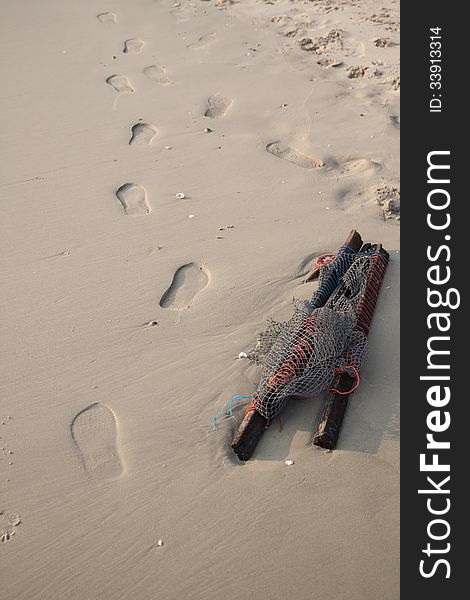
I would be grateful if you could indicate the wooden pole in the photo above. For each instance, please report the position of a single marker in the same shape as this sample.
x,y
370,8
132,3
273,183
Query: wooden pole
x,y
253,424
329,425
332,417
248,434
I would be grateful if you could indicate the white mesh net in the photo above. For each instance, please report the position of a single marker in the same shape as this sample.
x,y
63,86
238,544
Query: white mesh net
x,y
301,356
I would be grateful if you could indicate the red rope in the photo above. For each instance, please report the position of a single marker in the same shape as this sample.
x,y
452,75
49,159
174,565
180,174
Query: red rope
x,y
252,407
297,359
356,385
366,305
323,260
249,409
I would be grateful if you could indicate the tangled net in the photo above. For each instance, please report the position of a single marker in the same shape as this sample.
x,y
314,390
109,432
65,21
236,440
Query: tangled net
x,y
326,335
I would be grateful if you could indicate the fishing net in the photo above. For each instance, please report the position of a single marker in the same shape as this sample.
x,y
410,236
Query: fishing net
x,y
326,335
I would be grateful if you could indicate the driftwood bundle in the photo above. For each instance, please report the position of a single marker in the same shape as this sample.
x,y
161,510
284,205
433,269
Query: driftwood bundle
x,y
323,346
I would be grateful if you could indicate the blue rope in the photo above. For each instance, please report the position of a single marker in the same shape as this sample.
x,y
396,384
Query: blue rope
x,y
332,276
221,410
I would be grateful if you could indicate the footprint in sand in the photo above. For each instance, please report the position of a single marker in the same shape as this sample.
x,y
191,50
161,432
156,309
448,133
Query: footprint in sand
x,y
294,156
142,133
121,84
187,282
8,525
352,166
157,73
182,14
7,533
107,18
94,430
218,106
203,41
133,46
133,197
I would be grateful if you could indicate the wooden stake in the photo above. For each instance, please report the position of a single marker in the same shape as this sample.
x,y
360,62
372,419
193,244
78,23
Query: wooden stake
x,y
329,426
332,417
248,434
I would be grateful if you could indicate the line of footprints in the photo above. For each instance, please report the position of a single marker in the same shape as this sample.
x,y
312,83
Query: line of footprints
x,y
94,430
133,196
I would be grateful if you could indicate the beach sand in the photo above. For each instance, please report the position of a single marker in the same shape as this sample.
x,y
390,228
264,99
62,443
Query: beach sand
x,y
169,172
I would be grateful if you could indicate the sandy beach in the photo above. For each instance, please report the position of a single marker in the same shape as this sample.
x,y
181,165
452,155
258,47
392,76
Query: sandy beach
x,y
169,172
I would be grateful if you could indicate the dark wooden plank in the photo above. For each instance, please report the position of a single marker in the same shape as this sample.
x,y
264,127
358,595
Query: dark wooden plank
x,y
248,434
329,425
354,240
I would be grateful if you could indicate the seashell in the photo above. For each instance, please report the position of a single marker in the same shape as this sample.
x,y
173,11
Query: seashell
x,y
151,324
243,355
